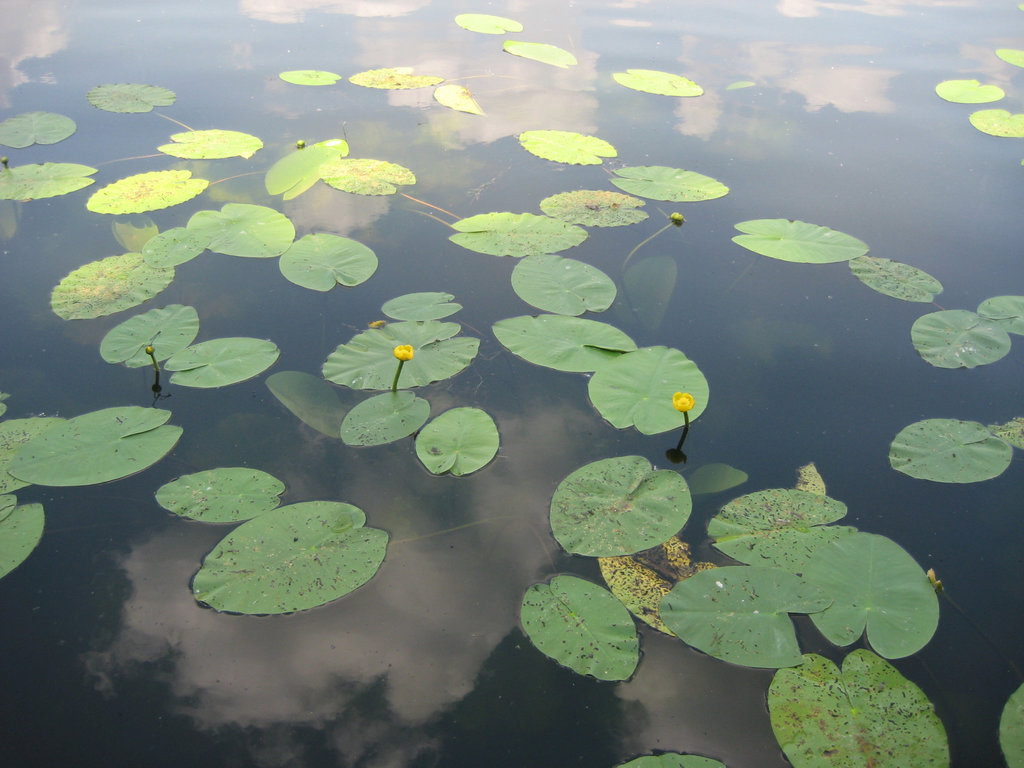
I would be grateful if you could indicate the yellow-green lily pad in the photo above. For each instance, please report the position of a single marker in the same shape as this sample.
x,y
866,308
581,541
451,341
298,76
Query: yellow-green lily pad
x,y
394,78
107,286
212,144
146,192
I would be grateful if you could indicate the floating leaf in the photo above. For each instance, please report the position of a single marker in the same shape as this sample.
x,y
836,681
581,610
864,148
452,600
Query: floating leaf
x,y
1011,730
291,559
956,338
457,97
893,278
618,506
107,286
968,92
174,246
567,147
425,305
542,52
715,478
516,234
169,330
867,715
384,418
96,447
3,405
321,261
635,389
310,398
798,241
672,760
741,613
810,480
220,362
1011,56
1012,431
740,84
362,176
294,173
998,122
594,208
659,182
397,78
222,495
130,97
33,182
949,451
581,626
564,286
877,588
1005,311
460,441
563,343
14,433
487,24
241,229
211,144
30,128
146,192
367,361
661,83
21,528
309,77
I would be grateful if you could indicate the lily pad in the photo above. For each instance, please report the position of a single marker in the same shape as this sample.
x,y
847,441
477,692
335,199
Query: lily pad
x,y
672,760
33,182
563,343
1011,730
96,447
618,506
1013,56
893,278
741,613
564,286
309,77
424,305
487,24
594,208
146,192
949,451
212,144
715,478
30,128
542,52
968,92
291,559
457,97
658,182
220,362
130,97
321,261
798,241
516,234
242,229
460,441
222,495
296,172
394,78
1005,311
174,246
384,418
1012,431
567,147
310,398
866,716
107,286
956,338
21,528
581,626
661,83
809,479
998,122
168,329
635,389
363,176
14,433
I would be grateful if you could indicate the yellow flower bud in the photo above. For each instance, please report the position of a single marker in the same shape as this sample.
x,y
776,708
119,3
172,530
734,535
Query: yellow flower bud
x,y
149,350
404,352
683,401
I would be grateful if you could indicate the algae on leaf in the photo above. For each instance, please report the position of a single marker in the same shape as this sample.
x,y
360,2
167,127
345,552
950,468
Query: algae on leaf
x,y
896,279
394,78
364,176
107,286
594,208
146,192
517,235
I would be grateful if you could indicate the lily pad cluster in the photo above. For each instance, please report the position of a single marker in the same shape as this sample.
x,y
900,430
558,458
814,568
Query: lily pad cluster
x,y
958,338
995,122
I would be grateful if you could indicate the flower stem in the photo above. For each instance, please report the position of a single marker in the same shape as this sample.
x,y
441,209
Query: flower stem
x,y
394,384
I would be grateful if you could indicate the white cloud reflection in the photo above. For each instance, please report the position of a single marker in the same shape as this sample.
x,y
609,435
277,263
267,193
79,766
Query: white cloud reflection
x,y
295,11
31,30
802,9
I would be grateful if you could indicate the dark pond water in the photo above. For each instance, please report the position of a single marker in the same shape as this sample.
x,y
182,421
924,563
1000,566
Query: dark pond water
x,y
108,659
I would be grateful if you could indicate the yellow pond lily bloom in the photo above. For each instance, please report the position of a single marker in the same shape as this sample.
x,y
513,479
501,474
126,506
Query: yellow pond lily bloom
x,y
683,401
404,352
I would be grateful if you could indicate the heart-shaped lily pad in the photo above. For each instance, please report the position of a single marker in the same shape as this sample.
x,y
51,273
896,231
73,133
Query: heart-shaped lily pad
x,y
220,362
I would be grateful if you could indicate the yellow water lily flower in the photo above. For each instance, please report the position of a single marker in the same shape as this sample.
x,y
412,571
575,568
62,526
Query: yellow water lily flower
x,y
404,352
683,401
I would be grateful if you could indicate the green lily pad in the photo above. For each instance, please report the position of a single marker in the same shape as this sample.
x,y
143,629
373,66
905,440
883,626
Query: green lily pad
x,y
1011,730
998,122
715,478
173,247
394,78
781,528
362,176
14,433
516,234
309,77
168,329
949,451
968,92
1005,311
3,405
133,230
310,398
220,362
1012,431
222,495
564,286
542,52
368,361
321,261
1013,56
563,343
618,506
956,338
798,241
567,147
460,441
581,626
107,286
635,389
893,278
457,97
291,559
661,83
146,192
424,305
658,182
33,182
211,144
384,418
867,716
672,760
242,229
21,528
487,24
96,447
594,208
130,97
30,128
740,613
296,172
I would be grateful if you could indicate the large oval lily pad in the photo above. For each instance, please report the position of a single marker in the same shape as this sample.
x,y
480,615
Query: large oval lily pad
x,y
393,78
220,362
654,81
297,171
896,279
460,441
563,343
14,433
384,418
516,234
594,208
658,182
130,97
146,192
1005,311
107,286
457,97
222,495
949,451
21,528
422,305
968,92
364,176
564,286
211,144
309,77
174,246
30,128
956,338
32,182
168,329
242,229
798,241
542,52
321,261
567,147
